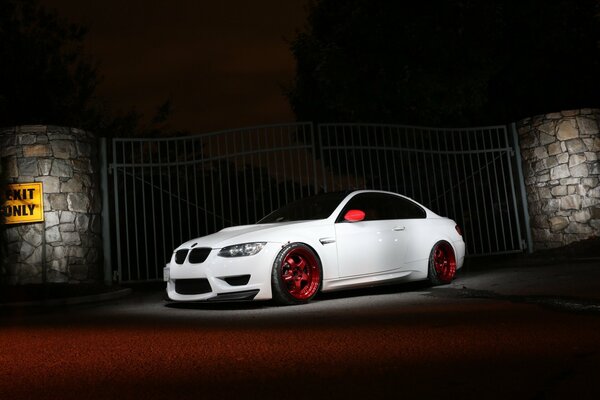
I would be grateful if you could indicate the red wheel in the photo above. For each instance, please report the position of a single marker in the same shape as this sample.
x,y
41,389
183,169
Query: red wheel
x,y
296,274
442,263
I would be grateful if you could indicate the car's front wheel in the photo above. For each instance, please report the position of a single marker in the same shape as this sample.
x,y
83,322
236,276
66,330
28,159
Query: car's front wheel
x,y
296,275
442,263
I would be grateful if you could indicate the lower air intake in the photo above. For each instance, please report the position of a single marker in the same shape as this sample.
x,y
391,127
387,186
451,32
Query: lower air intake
x,y
239,280
192,286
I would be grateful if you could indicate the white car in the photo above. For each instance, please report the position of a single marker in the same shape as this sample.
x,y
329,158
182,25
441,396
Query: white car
x,y
322,243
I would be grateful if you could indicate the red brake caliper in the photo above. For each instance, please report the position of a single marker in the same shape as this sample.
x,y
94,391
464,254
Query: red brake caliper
x,y
444,265
300,275
439,261
291,276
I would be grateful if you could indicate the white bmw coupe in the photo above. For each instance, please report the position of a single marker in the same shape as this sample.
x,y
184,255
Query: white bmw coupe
x,y
322,243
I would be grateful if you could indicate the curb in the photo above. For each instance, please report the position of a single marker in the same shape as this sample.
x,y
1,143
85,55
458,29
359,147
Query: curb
x,y
70,301
528,261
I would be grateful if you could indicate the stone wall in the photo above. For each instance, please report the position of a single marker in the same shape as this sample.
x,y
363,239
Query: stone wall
x,y
560,162
66,161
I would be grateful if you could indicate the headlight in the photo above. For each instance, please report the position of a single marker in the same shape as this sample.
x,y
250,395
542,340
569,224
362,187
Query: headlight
x,y
242,250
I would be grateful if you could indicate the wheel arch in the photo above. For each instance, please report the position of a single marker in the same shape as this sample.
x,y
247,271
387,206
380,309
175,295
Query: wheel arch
x,y
296,274
423,240
448,265
305,243
326,253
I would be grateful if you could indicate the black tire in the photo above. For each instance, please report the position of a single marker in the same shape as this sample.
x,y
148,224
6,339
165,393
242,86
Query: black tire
x,y
442,264
296,275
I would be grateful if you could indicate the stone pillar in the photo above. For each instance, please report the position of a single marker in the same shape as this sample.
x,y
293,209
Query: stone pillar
x,y
65,160
560,162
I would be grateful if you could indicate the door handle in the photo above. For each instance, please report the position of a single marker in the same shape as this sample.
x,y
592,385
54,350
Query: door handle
x,y
399,228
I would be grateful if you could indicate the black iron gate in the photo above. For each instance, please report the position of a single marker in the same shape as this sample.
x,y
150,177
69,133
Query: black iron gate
x,y
169,190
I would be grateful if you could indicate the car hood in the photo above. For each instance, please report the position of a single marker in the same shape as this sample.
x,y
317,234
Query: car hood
x,y
249,233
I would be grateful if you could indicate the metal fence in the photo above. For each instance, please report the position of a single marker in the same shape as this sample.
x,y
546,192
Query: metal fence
x,y
169,190
166,191
465,174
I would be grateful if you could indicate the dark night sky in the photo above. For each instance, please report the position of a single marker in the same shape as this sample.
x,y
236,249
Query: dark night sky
x,y
222,63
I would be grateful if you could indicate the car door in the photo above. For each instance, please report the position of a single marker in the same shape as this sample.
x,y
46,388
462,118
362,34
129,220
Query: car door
x,y
375,244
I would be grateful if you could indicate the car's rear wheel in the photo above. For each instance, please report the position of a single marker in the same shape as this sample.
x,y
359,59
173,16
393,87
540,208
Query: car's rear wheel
x,y
296,275
442,263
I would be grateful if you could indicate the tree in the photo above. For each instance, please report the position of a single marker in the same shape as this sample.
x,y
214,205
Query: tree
x,y
44,77
444,62
552,58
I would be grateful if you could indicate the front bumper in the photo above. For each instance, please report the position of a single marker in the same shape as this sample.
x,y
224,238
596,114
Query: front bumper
x,y
221,278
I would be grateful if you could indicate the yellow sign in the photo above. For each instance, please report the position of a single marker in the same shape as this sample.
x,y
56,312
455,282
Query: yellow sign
x,y
22,202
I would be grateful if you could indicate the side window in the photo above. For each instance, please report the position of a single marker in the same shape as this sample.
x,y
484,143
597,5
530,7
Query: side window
x,y
381,206
406,209
367,202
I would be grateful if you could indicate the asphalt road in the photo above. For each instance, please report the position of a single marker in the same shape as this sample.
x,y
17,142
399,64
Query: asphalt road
x,y
491,334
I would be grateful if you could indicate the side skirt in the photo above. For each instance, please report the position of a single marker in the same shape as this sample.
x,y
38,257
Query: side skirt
x,y
372,280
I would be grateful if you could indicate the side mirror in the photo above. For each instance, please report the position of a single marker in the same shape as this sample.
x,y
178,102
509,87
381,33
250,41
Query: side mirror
x,y
354,216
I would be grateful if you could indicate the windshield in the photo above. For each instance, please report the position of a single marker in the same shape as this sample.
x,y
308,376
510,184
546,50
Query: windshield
x,y
310,208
